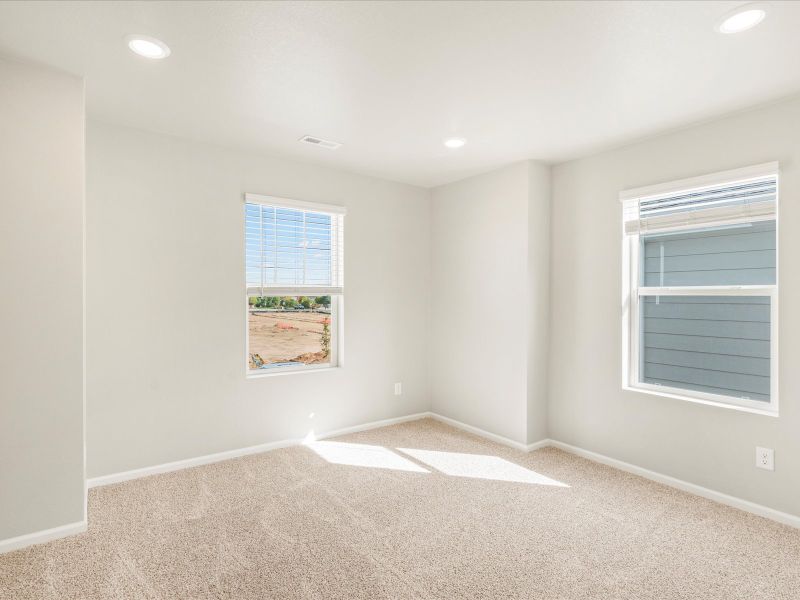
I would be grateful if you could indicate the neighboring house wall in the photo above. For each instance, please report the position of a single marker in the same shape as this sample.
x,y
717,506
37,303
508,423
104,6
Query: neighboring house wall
x,y
705,445
166,302
41,307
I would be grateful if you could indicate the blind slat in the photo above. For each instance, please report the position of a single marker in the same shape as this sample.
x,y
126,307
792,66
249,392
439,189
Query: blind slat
x,y
293,251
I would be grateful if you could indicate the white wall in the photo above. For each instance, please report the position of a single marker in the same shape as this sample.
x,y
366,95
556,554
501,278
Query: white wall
x,y
485,297
165,302
539,215
41,307
710,446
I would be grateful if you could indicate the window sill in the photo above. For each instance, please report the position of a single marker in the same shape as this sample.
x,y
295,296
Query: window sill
x,y
768,412
251,375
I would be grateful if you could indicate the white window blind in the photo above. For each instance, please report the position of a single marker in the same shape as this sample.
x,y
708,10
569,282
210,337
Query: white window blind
x,y
293,248
745,195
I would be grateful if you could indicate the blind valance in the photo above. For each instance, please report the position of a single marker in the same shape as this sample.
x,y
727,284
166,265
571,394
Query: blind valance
x,y
743,195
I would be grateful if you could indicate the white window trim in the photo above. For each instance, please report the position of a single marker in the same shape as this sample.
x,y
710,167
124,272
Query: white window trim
x,y
720,177
331,209
632,291
337,297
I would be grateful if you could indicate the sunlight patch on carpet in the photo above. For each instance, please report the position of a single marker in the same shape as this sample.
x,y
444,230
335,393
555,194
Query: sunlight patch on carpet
x,y
479,466
362,455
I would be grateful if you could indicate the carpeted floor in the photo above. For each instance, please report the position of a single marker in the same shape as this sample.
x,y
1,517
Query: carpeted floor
x,y
449,516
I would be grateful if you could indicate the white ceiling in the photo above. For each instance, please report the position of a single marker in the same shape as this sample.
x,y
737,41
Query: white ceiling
x,y
541,80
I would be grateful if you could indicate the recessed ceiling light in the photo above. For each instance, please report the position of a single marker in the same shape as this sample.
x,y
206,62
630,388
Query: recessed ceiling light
x,y
455,142
147,46
743,18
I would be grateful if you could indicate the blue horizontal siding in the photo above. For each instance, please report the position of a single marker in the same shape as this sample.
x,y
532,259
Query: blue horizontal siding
x,y
669,308
747,365
710,345
708,242
713,344
740,385
714,261
723,256
696,327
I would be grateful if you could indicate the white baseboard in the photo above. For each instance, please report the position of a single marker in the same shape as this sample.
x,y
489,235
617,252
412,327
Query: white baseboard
x,y
186,463
373,425
488,434
40,537
697,490
228,454
536,445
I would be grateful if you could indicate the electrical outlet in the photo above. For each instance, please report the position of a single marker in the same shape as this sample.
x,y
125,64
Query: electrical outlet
x,y
398,389
765,458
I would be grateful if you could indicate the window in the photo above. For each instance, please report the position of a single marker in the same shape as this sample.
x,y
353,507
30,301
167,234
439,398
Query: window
x,y
294,284
700,289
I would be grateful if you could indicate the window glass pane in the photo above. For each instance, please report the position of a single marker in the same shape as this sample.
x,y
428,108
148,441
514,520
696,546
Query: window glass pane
x,y
289,331
286,247
741,254
714,344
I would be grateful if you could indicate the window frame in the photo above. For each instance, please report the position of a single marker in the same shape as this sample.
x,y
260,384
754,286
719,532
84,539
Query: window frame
x,y
337,297
337,329
632,291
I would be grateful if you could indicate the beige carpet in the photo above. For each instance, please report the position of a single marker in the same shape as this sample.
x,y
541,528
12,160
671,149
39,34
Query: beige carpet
x,y
357,518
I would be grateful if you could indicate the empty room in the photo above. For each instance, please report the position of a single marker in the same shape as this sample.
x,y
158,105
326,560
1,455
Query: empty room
x,y
400,300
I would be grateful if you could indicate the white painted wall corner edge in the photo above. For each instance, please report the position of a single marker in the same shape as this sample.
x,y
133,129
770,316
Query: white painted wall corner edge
x,y
47,535
488,434
40,537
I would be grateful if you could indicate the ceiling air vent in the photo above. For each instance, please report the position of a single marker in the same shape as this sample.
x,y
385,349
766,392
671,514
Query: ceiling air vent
x,y
307,139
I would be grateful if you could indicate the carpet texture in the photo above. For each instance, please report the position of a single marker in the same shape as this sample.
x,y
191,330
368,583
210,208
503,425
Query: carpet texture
x,y
418,510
